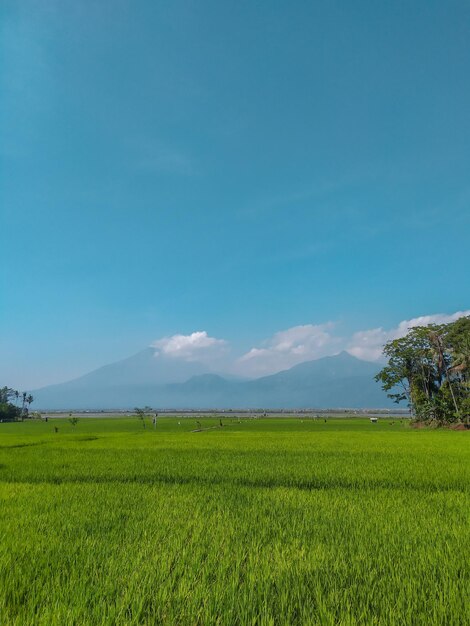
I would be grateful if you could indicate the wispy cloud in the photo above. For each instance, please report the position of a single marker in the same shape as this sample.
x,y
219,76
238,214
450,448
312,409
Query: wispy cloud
x,y
368,344
289,347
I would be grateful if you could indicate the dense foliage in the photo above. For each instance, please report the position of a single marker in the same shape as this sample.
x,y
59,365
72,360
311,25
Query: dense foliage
x,y
10,410
430,369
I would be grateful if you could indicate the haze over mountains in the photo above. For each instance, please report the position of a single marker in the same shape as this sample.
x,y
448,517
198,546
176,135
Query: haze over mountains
x,y
163,382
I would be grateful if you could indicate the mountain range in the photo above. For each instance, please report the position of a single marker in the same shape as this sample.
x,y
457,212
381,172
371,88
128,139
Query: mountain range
x,y
340,381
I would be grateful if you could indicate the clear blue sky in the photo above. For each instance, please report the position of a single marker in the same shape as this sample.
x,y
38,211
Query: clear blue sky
x,y
238,168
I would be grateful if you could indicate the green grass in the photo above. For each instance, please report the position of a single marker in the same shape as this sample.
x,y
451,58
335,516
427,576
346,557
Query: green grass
x,y
267,521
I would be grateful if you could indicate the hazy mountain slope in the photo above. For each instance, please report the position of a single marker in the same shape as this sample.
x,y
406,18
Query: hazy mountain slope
x,y
339,381
115,382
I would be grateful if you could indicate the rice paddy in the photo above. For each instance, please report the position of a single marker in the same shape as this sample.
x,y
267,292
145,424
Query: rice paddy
x,y
255,522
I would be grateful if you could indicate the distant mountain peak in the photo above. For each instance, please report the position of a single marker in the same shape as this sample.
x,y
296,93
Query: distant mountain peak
x,y
341,380
345,355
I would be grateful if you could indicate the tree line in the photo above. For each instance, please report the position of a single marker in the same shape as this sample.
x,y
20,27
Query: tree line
x,y
429,368
14,405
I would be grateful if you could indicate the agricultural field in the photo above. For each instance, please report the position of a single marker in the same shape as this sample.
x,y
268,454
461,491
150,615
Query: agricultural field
x,y
255,522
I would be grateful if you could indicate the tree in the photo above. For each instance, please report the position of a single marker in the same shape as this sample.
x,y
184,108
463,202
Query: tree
x,y
429,368
9,410
457,341
26,402
142,413
6,393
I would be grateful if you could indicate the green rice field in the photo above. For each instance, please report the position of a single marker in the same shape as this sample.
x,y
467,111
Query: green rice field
x,y
255,522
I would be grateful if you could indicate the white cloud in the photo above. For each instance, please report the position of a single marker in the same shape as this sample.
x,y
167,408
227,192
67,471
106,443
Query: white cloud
x,y
368,344
196,346
289,347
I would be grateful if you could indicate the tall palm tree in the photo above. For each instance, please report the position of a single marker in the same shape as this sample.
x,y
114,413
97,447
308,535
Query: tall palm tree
x,y
440,358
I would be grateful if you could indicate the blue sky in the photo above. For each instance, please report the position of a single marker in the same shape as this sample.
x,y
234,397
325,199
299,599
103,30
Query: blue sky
x,y
233,168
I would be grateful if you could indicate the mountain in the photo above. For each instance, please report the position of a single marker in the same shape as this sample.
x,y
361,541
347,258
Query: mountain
x,y
146,367
162,382
334,381
111,386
